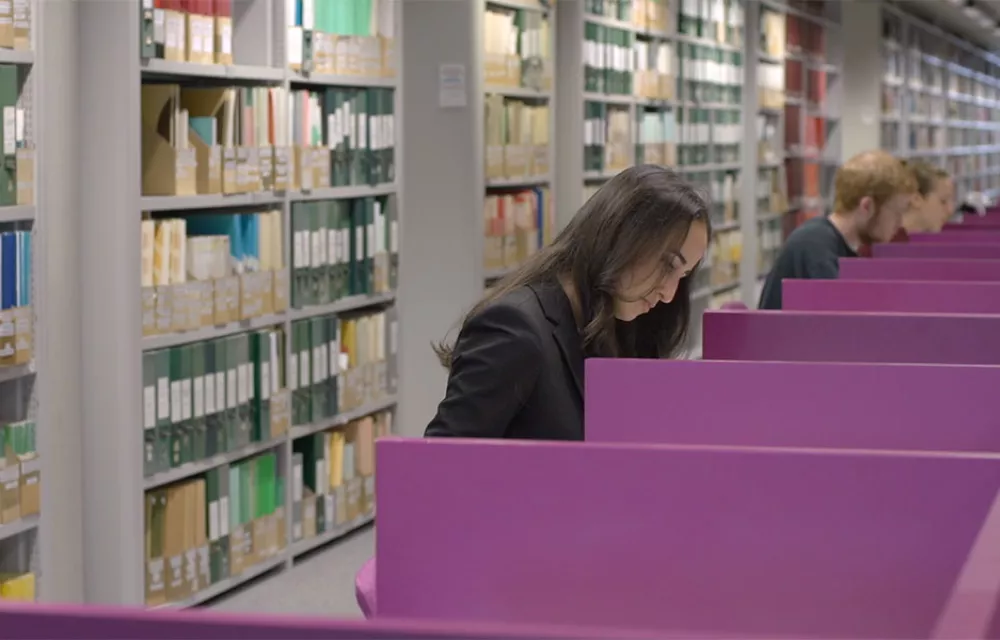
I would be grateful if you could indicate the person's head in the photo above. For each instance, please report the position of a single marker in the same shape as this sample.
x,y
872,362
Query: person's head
x,y
872,192
931,206
624,258
941,201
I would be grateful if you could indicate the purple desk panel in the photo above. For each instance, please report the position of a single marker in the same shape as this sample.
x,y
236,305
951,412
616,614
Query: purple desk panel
x,y
766,542
890,295
975,222
853,336
48,622
919,269
795,404
957,250
975,236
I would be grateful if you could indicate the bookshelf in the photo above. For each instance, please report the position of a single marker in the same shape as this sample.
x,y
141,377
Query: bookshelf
x,y
941,102
22,271
251,330
798,56
518,86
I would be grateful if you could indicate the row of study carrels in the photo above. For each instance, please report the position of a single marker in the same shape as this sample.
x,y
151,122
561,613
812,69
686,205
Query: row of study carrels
x,y
846,488
845,483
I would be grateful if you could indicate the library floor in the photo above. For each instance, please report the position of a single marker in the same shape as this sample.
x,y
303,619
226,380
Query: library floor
x,y
322,584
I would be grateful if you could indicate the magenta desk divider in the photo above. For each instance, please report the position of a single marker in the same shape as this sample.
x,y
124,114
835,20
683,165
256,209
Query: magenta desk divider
x,y
891,295
958,250
851,336
47,622
794,404
976,236
690,540
919,269
975,222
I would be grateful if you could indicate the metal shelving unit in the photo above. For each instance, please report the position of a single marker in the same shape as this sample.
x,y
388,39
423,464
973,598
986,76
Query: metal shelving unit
x,y
518,89
115,481
941,101
23,546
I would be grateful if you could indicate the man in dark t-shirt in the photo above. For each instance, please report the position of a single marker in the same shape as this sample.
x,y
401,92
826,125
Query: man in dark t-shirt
x,y
872,191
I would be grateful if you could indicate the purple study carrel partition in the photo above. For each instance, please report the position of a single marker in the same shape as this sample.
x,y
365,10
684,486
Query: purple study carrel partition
x,y
681,540
851,336
794,404
936,250
51,622
891,295
920,269
975,236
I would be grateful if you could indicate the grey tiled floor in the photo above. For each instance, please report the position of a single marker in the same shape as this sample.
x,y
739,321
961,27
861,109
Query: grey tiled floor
x,y
322,584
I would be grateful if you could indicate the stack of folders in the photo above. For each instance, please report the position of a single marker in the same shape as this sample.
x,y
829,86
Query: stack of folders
x,y
608,67
652,16
694,132
202,531
607,138
771,85
517,138
354,127
20,476
517,47
655,78
16,24
209,269
15,269
715,20
343,248
345,37
210,140
772,33
17,587
17,171
199,31
340,363
657,139
334,476
517,224
211,397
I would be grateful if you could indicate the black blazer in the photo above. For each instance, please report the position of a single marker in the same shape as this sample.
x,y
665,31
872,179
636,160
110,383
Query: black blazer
x,y
517,371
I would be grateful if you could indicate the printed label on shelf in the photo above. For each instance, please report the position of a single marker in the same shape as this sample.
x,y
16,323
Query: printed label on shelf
x,y
265,380
242,382
224,516
220,391
199,396
175,402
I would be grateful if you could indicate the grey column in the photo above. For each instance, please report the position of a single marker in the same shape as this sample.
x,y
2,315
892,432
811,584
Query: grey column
x,y
441,236
57,300
108,159
861,77
749,169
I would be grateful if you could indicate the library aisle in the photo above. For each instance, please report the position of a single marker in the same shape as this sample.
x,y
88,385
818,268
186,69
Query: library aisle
x,y
321,586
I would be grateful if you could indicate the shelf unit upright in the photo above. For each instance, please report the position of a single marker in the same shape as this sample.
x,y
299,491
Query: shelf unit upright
x,y
22,280
251,360
519,105
941,102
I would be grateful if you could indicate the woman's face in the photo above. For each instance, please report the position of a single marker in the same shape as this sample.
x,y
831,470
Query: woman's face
x,y
940,204
648,284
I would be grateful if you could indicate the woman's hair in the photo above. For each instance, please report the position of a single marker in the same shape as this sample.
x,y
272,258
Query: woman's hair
x,y
926,175
643,212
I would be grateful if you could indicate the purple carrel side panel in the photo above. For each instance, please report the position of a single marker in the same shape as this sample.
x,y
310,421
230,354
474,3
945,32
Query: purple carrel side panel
x,y
851,336
958,250
794,404
740,542
975,222
891,295
919,269
975,236
61,622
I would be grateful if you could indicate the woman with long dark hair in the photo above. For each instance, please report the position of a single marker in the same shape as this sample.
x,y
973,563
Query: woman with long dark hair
x,y
613,284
